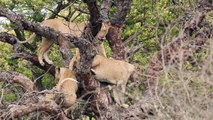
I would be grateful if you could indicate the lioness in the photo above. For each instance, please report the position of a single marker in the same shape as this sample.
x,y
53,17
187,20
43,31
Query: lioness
x,y
67,84
113,71
65,27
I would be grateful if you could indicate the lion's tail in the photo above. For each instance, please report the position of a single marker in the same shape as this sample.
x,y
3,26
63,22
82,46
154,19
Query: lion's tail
x,y
27,40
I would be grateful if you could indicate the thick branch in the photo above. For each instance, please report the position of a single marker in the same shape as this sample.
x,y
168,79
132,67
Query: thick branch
x,y
105,7
33,105
123,8
116,44
14,77
84,45
94,16
114,35
93,10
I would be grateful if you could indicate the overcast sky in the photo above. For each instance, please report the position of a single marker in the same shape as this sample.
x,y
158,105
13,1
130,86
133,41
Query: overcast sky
x,y
3,20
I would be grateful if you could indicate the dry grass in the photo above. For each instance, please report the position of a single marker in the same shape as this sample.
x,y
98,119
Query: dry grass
x,y
187,88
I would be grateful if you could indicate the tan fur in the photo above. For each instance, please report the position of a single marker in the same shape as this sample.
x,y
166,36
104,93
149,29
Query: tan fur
x,y
113,71
101,35
65,27
104,30
75,60
67,85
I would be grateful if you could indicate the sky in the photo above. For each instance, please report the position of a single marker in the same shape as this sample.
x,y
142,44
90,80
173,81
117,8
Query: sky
x,y
3,20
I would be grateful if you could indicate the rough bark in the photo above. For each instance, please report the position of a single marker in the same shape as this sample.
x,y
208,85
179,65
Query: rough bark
x,y
60,6
116,44
66,54
86,44
41,104
99,100
114,35
64,49
14,77
46,32
32,103
105,7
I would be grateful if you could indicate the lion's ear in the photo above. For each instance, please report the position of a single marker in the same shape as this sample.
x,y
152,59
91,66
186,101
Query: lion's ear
x,y
92,71
108,23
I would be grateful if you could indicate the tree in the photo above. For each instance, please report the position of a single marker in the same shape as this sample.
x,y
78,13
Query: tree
x,y
99,102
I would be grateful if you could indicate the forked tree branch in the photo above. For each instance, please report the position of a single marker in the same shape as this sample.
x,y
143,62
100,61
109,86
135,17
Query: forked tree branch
x,y
32,103
14,77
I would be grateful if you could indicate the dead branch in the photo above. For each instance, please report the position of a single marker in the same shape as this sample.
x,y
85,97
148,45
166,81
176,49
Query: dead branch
x,y
40,104
133,50
60,6
78,8
34,60
32,103
14,77
85,46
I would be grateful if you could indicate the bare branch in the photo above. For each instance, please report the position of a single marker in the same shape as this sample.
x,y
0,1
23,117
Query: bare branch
x,y
34,60
21,38
81,10
133,50
59,7
33,105
14,77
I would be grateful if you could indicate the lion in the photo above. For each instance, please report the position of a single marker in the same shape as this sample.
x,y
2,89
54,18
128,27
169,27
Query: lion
x,y
67,85
115,72
65,27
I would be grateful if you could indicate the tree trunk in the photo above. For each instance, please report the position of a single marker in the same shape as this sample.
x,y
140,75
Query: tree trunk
x,y
116,44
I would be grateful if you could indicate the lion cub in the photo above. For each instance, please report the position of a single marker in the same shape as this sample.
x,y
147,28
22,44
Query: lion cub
x,y
115,72
72,28
67,84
